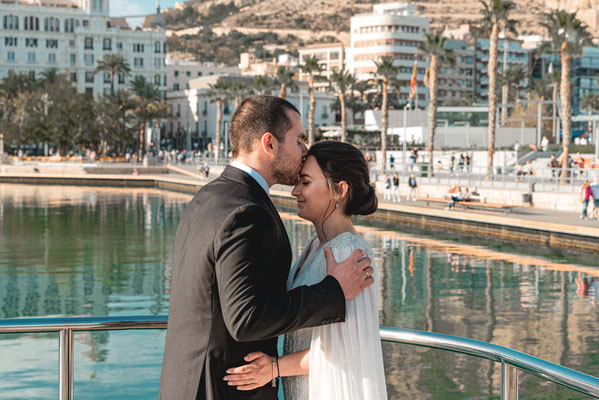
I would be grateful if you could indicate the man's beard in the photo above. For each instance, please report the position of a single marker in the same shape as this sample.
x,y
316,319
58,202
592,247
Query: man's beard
x,y
283,172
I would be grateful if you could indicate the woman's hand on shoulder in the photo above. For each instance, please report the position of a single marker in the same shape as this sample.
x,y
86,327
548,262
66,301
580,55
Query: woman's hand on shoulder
x,y
253,375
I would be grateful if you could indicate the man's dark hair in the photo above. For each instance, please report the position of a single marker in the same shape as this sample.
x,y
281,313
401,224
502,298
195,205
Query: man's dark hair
x,y
257,115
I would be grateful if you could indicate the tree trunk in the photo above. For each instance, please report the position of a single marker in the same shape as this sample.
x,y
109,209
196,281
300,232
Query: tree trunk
x,y
142,144
311,112
492,97
219,118
112,82
565,92
432,111
283,91
554,127
384,125
343,117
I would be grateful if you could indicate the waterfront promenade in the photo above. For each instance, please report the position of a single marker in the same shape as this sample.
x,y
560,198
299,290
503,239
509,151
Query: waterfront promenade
x,y
524,224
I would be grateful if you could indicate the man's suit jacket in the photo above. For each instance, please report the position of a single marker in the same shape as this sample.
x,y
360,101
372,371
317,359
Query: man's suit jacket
x,y
228,297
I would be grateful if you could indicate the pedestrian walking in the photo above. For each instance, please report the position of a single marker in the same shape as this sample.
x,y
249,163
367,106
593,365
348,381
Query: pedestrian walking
x,y
585,194
395,193
387,192
461,163
452,163
413,185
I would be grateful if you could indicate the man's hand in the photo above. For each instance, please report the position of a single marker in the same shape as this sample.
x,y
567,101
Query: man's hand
x,y
353,274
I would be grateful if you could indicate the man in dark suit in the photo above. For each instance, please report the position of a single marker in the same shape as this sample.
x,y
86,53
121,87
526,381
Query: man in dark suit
x,y
232,259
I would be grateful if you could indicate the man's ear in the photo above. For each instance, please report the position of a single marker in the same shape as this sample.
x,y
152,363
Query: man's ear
x,y
268,143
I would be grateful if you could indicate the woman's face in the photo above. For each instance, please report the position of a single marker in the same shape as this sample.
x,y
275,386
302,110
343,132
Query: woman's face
x,y
314,198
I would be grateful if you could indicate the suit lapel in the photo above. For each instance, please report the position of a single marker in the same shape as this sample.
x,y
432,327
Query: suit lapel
x,y
241,176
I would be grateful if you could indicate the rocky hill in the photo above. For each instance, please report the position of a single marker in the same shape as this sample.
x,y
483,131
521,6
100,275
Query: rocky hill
x,y
334,15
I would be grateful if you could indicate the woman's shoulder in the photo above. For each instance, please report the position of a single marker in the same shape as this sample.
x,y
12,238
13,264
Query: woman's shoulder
x,y
350,241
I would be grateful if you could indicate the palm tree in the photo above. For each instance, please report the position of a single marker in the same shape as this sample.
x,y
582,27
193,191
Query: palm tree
x,y
386,72
16,83
149,107
342,82
590,102
114,64
262,84
312,68
49,75
434,46
284,78
219,93
570,35
495,17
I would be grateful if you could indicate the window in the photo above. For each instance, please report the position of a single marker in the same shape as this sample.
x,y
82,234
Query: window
x,y
107,44
32,23
106,77
51,24
121,78
88,59
71,43
176,74
89,77
119,45
10,41
86,23
188,73
73,76
10,56
138,62
70,24
89,91
175,87
157,79
138,48
158,63
89,43
51,43
157,47
73,59
10,22
30,57
52,58
30,42
199,73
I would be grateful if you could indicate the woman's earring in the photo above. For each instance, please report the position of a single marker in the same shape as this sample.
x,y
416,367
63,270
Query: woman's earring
x,y
336,204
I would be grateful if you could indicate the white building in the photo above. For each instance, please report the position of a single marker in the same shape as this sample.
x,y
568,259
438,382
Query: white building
x,y
195,112
180,72
72,35
331,57
392,29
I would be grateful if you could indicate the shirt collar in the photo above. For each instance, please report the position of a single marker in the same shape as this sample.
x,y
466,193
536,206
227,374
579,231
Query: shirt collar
x,y
253,173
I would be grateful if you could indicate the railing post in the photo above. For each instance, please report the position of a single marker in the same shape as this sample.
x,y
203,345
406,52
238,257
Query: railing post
x,y
509,382
65,350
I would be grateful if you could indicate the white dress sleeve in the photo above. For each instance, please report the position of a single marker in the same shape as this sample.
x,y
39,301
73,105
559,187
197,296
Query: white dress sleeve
x,y
346,359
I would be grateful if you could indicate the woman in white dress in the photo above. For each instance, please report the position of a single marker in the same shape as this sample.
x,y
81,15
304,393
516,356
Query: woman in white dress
x,y
339,361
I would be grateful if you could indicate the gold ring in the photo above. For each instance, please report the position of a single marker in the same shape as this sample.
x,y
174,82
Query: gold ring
x,y
368,273
250,380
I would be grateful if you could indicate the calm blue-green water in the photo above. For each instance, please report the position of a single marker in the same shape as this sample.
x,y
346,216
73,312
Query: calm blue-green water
x,y
104,251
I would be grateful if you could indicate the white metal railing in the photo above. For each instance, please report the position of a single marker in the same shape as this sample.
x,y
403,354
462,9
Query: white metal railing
x,y
511,361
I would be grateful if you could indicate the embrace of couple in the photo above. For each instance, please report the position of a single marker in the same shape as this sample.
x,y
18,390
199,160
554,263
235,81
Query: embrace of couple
x,y
234,290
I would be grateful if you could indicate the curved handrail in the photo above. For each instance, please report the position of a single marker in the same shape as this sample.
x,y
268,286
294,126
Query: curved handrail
x,y
563,376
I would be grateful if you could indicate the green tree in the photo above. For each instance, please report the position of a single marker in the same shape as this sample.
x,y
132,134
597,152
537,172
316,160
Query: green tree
x,y
569,35
262,84
114,64
284,78
311,67
115,117
385,75
219,93
495,17
342,81
148,108
434,47
49,76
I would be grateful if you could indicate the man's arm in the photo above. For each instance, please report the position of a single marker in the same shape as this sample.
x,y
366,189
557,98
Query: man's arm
x,y
250,311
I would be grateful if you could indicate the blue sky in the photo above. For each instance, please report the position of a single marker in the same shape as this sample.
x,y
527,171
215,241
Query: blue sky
x,y
137,7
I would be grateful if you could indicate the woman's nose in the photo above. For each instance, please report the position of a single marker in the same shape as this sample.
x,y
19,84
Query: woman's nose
x,y
295,192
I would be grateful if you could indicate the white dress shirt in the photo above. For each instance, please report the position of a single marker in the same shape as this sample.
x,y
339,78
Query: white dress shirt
x,y
253,173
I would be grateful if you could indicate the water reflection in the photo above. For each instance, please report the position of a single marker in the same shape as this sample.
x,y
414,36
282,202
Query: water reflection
x,y
106,251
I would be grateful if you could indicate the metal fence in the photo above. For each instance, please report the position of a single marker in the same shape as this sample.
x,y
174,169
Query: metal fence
x,y
511,361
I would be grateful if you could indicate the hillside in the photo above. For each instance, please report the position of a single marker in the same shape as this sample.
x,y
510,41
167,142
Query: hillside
x,y
334,15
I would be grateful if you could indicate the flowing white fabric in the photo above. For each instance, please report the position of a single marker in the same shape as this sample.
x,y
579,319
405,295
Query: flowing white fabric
x,y
346,359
